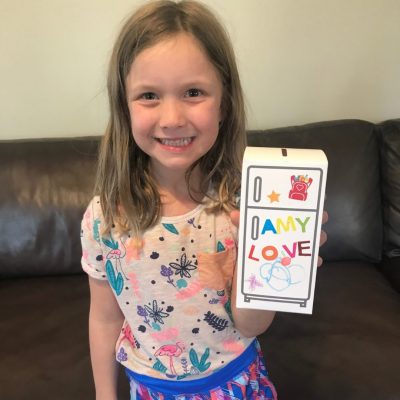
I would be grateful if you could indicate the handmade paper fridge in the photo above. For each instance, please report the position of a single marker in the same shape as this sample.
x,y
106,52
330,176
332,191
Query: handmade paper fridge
x,y
281,204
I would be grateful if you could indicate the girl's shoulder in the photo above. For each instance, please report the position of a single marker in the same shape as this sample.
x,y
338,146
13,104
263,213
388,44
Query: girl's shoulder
x,y
93,211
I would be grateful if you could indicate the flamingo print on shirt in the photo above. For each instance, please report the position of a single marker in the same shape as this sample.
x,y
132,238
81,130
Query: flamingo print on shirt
x,y
171,350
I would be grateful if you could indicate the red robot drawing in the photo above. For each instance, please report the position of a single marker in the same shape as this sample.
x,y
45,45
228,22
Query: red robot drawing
x,y
300,184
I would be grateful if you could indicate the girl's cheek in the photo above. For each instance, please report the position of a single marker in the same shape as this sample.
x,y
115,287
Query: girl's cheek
x,y
142,118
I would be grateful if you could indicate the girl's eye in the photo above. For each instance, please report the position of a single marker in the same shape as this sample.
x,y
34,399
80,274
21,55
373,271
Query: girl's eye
x,y
194,93
148,96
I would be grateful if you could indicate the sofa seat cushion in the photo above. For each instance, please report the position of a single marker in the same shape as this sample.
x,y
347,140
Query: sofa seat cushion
x,y
44,339
349,348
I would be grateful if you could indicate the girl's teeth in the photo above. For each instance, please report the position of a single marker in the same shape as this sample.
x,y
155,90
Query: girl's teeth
x,y
176,142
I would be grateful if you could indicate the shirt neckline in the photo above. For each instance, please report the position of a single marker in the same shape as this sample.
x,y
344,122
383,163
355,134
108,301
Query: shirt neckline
x,y
186,216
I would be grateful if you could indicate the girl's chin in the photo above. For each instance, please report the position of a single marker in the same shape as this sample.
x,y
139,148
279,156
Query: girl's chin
x,y
165,166
171,169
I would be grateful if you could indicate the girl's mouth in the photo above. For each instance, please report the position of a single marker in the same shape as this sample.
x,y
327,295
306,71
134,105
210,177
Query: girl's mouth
x,y
181,142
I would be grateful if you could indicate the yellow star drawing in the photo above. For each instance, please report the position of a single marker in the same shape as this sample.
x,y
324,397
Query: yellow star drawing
x,y
274,196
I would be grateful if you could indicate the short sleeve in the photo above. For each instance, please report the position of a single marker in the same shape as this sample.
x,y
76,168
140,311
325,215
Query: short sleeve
x,y
92,255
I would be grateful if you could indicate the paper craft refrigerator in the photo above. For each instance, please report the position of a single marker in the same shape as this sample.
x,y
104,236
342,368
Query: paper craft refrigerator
x,y
281,210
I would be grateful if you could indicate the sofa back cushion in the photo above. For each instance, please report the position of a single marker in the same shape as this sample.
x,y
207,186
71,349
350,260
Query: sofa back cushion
x,y
45,187
353,193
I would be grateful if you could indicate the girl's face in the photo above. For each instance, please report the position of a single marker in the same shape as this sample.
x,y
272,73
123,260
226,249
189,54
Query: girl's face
x,y
174,96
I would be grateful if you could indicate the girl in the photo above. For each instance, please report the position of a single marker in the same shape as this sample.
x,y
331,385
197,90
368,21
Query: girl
x,y
158,242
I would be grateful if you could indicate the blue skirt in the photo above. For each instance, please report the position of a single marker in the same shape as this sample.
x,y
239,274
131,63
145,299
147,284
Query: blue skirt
x,y
246,377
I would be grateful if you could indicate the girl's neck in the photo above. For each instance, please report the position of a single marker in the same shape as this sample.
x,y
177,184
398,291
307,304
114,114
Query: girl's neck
x,y
174,204
176,199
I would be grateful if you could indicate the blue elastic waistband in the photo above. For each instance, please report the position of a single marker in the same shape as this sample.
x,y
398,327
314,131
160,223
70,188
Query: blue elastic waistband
x,y
207,383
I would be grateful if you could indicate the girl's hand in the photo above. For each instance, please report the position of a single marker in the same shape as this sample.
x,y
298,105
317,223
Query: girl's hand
x,y
323,237
235,217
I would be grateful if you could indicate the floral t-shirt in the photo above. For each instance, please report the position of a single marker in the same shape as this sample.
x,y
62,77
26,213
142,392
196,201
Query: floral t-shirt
x,y
173,288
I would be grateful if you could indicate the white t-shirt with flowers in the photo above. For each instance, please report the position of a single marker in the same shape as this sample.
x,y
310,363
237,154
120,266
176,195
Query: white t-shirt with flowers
x,y
173,287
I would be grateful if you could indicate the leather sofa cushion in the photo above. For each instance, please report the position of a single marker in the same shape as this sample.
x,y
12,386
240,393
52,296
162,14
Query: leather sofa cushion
x,y
46,185
390,161
353,198
348,348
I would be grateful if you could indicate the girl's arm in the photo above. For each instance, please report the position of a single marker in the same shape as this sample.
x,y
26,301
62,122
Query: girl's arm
x,y
105,323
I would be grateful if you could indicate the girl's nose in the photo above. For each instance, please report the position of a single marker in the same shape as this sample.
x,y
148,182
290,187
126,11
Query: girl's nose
x,y
172,114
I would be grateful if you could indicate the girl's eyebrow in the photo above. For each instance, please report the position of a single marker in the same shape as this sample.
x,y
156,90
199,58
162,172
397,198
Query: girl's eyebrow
x,y
198,81
188,81
140,87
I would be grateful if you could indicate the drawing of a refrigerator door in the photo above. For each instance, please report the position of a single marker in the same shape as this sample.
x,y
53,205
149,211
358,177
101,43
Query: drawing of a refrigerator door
x,y
281,215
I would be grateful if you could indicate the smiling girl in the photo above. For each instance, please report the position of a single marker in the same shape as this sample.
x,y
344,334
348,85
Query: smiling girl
x,y
159,245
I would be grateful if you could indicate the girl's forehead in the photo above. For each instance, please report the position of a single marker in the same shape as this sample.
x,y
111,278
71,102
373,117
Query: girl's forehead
x,y
177,54
181,42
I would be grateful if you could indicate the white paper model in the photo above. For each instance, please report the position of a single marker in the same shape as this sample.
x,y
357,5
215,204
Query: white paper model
x,y
281,205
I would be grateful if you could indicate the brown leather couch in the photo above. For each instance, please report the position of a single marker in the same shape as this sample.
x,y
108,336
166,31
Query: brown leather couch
x,y
348,349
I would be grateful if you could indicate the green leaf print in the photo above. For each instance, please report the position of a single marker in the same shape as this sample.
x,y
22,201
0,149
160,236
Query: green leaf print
x,y
193,357
183,376
96,233
171,228
228,309
220,247
120,284
159,366
205,356
112,244
116,282
201,365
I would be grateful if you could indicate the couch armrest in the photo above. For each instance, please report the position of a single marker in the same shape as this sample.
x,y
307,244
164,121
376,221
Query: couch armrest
x,y
390,169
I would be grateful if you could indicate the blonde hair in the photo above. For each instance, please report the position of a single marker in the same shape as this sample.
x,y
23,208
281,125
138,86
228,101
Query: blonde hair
x,y
128,194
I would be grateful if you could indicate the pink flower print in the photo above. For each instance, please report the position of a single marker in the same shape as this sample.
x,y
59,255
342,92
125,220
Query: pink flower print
x,y
229,243
114,254
171,350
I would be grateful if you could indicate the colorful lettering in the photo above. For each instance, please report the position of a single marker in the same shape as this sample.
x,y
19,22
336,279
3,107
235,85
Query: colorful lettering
x,y
284,226
271,253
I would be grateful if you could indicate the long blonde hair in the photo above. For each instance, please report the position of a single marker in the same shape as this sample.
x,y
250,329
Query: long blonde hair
x,y
128,193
